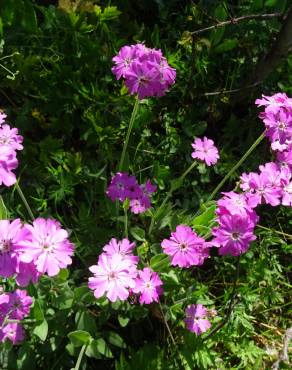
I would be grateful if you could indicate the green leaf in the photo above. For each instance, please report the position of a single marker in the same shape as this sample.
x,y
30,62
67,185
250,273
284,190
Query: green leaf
x,y
37,312
206,217
159,262
138,233
79,337
29,21
115,339
3,210
175,184
41,330
123,320
102,347
86,322
92,350
63,275
226,45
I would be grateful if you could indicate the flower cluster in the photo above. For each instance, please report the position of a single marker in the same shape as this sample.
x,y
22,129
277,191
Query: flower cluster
x,y
272,184
205,150
146,71
185,247
13,306
124,186
28,251
10,142
116,274
196,319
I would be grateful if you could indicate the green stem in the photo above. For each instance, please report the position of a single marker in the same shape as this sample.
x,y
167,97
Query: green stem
x,y
17,187
234,168
274,231
126,222
79,359
132,120
169,194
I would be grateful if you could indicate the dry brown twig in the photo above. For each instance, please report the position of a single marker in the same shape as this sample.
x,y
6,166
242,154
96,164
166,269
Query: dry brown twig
x,y
283,355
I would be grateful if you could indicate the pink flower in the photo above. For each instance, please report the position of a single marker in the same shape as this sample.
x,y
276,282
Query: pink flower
x,y
123,186
262,190
18,304
26,273
234,233
13,332
148,284
234,204
8,162
205,150
286,183
9,137
195,320
185,247
11,235
123,247
140,205
146,71
49,248
113,275
275,101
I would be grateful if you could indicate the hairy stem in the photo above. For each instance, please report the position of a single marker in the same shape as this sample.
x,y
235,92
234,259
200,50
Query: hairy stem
x,y
17,187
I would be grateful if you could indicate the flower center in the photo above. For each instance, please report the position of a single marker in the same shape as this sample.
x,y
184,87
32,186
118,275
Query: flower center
x,y
235,235
183,246
5,246
282,125
112,275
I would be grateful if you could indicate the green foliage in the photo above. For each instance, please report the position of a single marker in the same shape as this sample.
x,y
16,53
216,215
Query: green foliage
x,y
57,87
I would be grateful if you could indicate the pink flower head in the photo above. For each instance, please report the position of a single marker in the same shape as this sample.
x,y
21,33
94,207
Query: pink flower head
x,y
148,284
149,188
279,128
11,235
9,137
285,158
233,203
205,150
124,60
123,247
13,332
185,247
140,205
123,186
234,233
146,71
18,305
2,117
113,275
195,320
262,190
286,184
275,101
48,248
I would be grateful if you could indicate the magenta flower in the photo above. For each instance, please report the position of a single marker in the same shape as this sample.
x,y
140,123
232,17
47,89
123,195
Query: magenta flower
x,y
275,101
13,332
234,204
11,235
234,234
8,162
123,247
205,150
49,248
148,285
195,319
146,71
185,247
262,190
18,305
286,184
123,186
26,273
113,276
140,205
9,137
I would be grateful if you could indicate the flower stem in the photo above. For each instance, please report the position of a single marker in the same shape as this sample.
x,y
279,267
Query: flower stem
x,y
275,231
179,182
17,187
126,222
234,168
79,359
132,120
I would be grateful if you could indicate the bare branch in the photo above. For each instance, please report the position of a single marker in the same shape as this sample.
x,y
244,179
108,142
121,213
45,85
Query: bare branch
x,y
260,17
283,355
